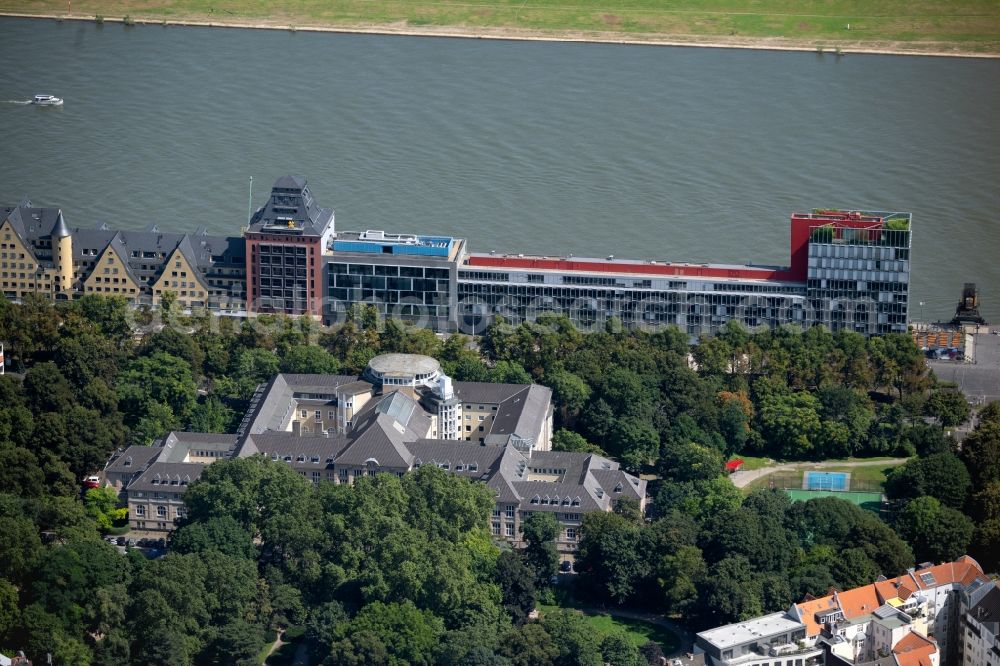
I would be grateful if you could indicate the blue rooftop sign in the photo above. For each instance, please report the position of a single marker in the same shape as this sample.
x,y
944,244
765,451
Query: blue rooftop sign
x,y
379,242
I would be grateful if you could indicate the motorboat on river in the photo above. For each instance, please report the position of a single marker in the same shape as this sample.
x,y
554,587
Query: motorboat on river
x,y
46,100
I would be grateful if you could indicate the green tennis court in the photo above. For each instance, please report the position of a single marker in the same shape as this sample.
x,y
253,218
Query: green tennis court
x,y
870,501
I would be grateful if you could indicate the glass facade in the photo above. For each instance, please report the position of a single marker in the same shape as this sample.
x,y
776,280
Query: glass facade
x,y
421,294
859,279
849,270
696,307
853,273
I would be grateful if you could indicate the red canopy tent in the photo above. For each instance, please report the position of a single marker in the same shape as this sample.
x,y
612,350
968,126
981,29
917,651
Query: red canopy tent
x,y
734,465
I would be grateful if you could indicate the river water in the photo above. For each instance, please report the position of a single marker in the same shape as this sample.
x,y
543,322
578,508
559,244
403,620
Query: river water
x,y
682,154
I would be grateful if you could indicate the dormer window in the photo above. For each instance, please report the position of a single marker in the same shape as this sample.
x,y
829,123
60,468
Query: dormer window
x,y
473,467
128,461
618,488
535,500
576,501
565,501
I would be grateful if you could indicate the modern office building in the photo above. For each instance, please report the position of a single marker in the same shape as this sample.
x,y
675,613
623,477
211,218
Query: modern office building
x,y
847,270
406,277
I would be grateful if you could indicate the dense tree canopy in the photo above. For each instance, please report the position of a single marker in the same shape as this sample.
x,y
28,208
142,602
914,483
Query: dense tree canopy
x,y
404,570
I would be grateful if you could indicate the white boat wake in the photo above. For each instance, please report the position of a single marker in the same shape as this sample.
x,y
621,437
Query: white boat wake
x,y
16,101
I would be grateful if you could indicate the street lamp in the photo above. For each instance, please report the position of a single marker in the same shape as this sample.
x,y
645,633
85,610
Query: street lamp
x,y
921,312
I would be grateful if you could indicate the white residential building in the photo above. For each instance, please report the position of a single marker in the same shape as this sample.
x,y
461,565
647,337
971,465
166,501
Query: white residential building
x,y
917,619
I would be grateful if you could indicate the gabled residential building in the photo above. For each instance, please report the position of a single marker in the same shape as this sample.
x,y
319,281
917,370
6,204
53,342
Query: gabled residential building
x,y
41,254
979,631
910,620
34,258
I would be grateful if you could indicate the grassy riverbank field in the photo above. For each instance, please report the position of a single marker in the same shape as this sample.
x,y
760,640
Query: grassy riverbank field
x,y
927,26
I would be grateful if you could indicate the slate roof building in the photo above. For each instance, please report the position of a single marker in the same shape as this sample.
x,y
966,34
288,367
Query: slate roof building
x,y
41,254
285,244
154,478
338,428
979,631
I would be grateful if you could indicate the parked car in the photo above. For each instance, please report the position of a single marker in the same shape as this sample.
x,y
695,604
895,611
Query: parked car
x,y
92,481
566,566
122,541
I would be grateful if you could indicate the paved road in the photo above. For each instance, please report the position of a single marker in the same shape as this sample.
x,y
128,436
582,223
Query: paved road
x,y
742,479
979,381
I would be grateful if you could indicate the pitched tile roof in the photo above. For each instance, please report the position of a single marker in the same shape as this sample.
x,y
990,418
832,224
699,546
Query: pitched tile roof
x,y
32,223
914,649
485,392
858,601
632,487
559,491
809,609
210,438
962,571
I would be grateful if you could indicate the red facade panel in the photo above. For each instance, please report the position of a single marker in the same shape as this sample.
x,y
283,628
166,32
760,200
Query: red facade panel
x,y
802,223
